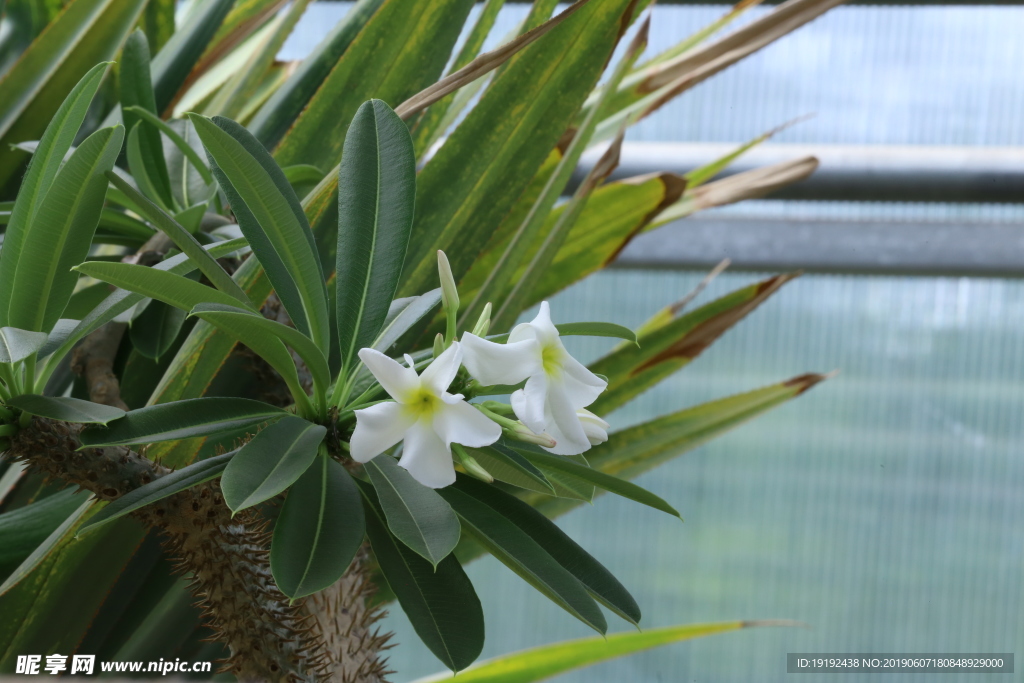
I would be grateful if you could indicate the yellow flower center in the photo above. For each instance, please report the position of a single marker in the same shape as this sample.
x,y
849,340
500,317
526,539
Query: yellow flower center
x,y
551,359
422,403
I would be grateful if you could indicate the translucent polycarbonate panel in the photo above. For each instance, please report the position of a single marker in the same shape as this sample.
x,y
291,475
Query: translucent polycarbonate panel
x,y
883,508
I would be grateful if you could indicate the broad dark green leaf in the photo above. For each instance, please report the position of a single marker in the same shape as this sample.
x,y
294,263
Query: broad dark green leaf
x,y
416,515
252,327
23,529
173,63
402,49
472,182
180,143
137,91
376,198
599,581
155,330
288,101
162,285
66,409
439,601
212,416
270,462
16,345
87,33
320,528
61,233
42,169
523,555
272,219
168,485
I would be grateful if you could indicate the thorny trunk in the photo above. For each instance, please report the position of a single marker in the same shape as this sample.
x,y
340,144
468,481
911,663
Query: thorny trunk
x,y
329,637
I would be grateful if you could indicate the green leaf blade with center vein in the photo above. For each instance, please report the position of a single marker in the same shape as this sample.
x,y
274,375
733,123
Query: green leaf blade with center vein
x,y
376,199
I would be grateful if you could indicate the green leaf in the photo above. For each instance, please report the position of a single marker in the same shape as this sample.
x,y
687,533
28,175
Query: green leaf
x,y
279,112
187,419
23,529
174,62
44,551
155,330
60,333
472,182
605,481
179,142
403,315
42,169
87,33
248,326
137,93
66,409
302,174
272,219
138,162
600,582
158,489
416,515
376,197
61,233
17,345
674,342
509,466
183,239
320,528
541,663
523,555
162,285
271,462
439,601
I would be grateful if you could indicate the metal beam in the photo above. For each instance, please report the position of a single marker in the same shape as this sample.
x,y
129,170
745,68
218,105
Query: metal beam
x,y
834,246
851,173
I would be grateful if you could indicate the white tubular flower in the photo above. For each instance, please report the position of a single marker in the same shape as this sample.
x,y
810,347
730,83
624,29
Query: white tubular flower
x,y
423,414
557,385
594,427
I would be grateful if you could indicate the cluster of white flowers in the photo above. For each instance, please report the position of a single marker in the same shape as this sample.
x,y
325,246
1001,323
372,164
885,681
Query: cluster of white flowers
x,y
429,420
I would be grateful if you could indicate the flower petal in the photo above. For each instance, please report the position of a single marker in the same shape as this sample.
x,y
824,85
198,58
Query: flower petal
x,y
426,456
397,380
595,428
564,424
438,375
581,385
529,403
542,326
378,428
491,363
459,422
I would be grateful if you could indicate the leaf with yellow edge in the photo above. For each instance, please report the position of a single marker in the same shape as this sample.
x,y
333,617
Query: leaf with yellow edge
x,y
540,663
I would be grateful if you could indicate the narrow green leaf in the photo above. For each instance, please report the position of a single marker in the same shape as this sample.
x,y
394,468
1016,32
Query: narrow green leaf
x,y
60,333
174,62
271,462
138,162
600,582
137,93
506,465
42,169
523,555
320,528
87,33
247,326
279,112
183,239
439,601
607,482
541,663
17,345
376,197
66,409
155,330
61,233
302,174
186,149
44,550
188,419
272,219
416,515
23,529
162,285
158,489
403,315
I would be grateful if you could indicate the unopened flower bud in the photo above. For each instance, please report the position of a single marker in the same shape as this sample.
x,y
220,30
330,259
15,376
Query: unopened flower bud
x,y
472,467
438,345
483,323
449,293
523,433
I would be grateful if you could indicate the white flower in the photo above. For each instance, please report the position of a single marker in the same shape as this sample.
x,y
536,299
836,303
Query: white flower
x,y
594,427
423,414
557,385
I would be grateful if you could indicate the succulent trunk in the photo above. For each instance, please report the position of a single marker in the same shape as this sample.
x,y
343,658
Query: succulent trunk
x,y
327,637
